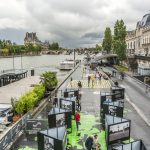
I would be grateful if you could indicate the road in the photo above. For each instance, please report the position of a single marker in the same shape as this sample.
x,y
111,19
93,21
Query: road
x,y
139,103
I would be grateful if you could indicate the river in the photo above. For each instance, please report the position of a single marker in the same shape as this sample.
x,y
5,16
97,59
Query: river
x,y
39,63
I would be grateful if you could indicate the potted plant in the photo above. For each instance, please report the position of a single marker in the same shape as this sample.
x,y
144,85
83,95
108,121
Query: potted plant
x,y
16,116
49,80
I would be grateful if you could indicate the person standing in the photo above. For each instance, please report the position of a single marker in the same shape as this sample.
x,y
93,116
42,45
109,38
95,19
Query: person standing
x,y
77,119
89,143
96,144
89,79
79,84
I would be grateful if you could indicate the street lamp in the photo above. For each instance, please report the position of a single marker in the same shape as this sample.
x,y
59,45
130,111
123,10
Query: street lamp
x,y
74,58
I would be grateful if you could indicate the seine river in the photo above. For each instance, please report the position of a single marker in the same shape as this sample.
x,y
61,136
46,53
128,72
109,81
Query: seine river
x,y
39,63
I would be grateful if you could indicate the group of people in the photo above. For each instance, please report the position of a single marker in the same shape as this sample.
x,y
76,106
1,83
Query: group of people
x,y
93,78
92,143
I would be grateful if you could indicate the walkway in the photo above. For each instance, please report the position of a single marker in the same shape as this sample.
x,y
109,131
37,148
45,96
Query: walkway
x,y
17,89
90,117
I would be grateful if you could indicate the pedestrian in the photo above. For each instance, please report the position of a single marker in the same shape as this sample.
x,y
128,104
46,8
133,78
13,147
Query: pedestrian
x,y
89,79
96,145
83,71
79,104
77,119
93,79
79,84
89,143
55,101
71,82
100,76
122,75
146,88
116,83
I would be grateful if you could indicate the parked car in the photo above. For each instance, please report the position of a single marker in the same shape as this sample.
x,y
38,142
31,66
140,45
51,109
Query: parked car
x,y
5,110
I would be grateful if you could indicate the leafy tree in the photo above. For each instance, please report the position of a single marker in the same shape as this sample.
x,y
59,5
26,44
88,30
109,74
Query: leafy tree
x,y
107,41
98,47
54,46
119,44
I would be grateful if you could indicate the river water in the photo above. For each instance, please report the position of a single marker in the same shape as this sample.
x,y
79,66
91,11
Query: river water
x,y
39,63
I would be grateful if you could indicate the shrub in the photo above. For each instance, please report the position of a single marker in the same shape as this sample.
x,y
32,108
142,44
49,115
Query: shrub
x,y
30,99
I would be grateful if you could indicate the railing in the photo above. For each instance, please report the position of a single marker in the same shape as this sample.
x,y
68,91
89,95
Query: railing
x,y
11,135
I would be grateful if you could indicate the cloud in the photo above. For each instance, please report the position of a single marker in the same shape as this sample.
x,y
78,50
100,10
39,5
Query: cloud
x,y
72,23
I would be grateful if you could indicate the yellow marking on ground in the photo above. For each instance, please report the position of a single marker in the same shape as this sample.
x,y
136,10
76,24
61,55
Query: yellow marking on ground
x,y
97,84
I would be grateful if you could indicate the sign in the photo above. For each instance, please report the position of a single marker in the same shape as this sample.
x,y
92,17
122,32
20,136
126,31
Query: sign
x,y
37,125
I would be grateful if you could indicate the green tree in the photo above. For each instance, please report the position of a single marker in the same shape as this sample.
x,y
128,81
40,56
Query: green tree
x,y
119,43
98,48
107,41
54,46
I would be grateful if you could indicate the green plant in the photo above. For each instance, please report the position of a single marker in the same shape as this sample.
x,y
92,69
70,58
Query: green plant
x,y
39,90
121,68
29,100
49,80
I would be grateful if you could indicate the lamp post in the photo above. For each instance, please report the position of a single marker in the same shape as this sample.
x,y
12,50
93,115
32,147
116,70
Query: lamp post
x,y
74,58
21,62
13,61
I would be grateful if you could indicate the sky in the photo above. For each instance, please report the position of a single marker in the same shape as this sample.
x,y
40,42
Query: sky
x,y
72,23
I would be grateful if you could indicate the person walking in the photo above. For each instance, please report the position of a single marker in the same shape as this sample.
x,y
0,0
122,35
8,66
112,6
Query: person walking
x,y
93,79
77,119
89,143
89,79
83,71
71,82
100,76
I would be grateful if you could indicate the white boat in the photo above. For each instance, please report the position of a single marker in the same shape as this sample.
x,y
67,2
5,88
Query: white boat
x,y
67,64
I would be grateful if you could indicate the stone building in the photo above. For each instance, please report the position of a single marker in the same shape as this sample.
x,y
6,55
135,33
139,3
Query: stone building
x,y
31,38
138,46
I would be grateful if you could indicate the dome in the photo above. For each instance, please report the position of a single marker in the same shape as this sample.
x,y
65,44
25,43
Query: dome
x,y
145,20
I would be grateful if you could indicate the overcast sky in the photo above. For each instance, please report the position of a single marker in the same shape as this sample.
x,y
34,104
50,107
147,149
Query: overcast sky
x,y
73,23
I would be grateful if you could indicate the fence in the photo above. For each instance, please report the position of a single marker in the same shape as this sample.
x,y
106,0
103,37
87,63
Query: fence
x,y
12,134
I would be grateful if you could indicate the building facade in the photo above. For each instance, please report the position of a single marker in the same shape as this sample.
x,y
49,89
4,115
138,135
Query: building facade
x,y
138,45
31,38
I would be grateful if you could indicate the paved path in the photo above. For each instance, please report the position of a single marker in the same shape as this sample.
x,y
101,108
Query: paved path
x,y
17,89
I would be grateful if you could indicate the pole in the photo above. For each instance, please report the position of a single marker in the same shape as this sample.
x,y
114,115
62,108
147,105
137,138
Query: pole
x,y
13,63
74,58
21,63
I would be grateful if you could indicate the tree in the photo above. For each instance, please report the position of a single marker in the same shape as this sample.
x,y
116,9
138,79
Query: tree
x,y
98,48
107,41
54,46
119,43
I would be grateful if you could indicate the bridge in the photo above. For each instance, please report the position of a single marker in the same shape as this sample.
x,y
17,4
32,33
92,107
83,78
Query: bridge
x,y
111,58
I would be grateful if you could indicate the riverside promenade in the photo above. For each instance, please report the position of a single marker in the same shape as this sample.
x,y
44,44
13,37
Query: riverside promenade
x,y
90,104
90,116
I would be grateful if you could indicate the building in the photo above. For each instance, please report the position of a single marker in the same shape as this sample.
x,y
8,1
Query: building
x,y
138,46
31,38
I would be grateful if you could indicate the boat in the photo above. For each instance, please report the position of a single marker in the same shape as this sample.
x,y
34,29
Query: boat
x,y
67,64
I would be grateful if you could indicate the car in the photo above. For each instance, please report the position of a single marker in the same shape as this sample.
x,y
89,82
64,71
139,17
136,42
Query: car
x,y
5,110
